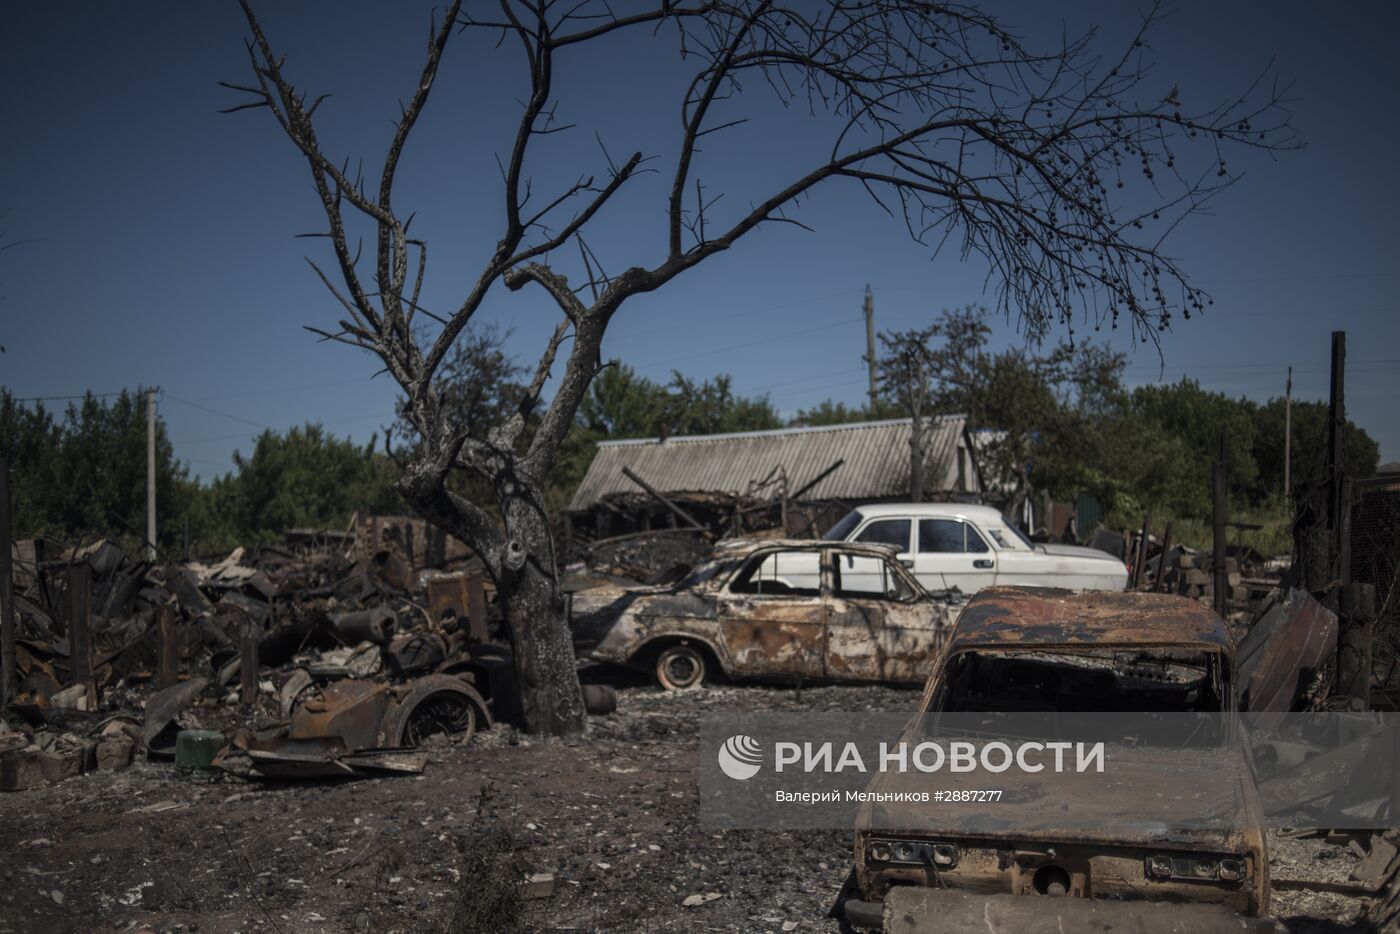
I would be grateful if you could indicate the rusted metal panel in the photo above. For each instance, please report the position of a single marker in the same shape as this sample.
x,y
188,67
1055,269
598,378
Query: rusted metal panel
x,y
1295,636
1043,616
774,636
461,596
874,640
353,711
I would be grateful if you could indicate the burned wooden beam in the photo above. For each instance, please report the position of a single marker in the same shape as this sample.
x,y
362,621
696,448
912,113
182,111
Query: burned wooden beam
x,y
652,492
818,478
1139,565
1160,577
167,664
80,624
248,664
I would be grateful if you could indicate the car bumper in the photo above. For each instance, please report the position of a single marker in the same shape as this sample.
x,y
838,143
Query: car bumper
x,y
917,910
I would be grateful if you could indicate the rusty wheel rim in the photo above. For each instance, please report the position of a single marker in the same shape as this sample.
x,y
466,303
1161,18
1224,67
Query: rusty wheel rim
x,y
680,668
446,713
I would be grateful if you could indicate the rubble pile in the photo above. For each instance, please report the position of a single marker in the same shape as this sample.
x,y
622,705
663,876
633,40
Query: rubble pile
x,y
644,556
334,655
1253,580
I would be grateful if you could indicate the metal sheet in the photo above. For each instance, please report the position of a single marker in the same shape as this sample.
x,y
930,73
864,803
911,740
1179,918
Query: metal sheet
x,y
1296,635
876,456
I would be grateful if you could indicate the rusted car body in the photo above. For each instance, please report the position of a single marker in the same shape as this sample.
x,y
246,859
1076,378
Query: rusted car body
x,y
1051,651
866,618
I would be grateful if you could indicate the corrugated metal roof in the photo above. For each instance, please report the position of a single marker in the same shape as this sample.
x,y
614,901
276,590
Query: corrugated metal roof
x,y
876,464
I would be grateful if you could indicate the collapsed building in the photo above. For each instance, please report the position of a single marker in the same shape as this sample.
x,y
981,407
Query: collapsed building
x,y
335,654
797,481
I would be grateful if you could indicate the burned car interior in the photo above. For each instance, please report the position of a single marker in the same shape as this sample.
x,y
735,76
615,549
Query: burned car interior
x,y
1022,681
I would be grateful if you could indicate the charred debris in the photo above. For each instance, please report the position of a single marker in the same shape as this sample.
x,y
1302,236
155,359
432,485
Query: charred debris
x,y
334,655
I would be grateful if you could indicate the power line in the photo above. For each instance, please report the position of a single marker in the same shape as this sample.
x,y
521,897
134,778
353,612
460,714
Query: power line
x,y
205,408
95,395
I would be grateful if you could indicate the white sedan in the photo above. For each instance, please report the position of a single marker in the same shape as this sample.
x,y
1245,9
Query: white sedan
x,y
957,546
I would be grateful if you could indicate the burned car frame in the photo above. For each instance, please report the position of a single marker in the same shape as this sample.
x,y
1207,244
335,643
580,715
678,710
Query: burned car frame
x,y
1023,651
773,610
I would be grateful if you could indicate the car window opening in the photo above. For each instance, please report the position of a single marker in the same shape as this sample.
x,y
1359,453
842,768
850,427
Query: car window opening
x,y
1101,682
868,577
771,574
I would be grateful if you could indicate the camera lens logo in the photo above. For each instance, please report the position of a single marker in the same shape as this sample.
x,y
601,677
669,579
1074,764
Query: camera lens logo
x,y
740,757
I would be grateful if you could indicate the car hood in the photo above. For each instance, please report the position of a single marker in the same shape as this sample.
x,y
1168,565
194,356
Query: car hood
x,y
1076,551
1190,798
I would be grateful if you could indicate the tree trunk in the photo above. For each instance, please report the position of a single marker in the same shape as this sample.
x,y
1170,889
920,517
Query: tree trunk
x,y
545,665
916,459
522,565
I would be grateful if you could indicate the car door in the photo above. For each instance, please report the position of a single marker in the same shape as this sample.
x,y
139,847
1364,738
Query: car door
x,y
881,632
770,627
952,553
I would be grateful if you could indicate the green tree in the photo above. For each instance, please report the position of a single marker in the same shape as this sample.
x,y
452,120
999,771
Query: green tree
x,y
84,476
1309,448
621,404
829,412
302,478
711,407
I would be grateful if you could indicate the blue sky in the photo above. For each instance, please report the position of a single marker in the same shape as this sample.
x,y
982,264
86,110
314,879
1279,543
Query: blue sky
x,y
165,250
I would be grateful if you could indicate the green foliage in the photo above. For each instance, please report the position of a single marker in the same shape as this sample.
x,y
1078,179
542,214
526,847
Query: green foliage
x,y
621,404
83,475
303,478
1065,423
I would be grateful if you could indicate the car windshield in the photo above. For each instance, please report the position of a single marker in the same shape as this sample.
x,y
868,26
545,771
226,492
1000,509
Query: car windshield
x,y
1022,536
839,531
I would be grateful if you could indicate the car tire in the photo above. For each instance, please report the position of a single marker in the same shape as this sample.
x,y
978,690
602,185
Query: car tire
x,y
680,668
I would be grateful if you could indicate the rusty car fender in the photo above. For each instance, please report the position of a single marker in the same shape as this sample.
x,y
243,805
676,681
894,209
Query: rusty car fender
x,y
396,720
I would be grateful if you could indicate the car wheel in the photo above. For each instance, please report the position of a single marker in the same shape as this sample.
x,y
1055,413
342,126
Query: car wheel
x,y
680,668
451,714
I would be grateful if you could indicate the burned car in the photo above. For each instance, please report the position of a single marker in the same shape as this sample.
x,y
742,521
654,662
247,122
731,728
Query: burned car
x,y
778,610
1023,653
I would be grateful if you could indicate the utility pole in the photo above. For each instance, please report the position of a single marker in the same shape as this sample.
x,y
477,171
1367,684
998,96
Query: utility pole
x,y
151,475
1220,549
1336,437
870,345
1288,438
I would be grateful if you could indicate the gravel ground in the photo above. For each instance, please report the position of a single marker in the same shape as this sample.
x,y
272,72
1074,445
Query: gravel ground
x,y
613,817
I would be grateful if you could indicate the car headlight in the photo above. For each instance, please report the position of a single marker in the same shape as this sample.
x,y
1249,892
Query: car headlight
x,y
913,853
1232,870
1195,868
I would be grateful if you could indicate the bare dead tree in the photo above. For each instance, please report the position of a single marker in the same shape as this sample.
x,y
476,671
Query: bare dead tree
x,y
953,125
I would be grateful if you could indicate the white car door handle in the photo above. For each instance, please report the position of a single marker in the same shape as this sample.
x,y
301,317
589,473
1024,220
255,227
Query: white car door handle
x,y
983,563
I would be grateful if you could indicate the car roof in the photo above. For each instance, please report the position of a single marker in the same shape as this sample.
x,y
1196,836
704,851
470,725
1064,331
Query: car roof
x,y
1012,617
933,511
738,547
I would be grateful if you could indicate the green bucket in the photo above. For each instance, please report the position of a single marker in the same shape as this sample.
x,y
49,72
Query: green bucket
x,y
195,751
